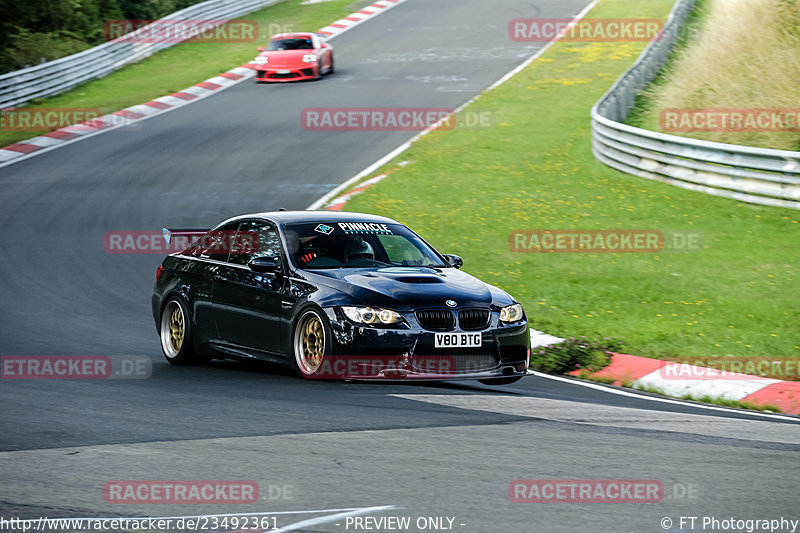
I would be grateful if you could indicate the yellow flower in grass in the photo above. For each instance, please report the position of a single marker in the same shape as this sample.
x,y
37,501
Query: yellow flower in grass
x,y
563,81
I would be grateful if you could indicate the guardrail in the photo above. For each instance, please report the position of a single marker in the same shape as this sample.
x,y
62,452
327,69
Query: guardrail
x,y
744,173
61,74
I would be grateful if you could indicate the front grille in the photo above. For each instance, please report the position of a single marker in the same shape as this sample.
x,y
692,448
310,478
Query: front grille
x,y
287,75
436,319
456,362
308,71
473,318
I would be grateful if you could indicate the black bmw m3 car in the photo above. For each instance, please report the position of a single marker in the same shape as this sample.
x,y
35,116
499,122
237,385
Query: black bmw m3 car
x,y
335,295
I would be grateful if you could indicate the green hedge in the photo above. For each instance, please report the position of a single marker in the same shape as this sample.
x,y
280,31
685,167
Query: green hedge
x,y
575,353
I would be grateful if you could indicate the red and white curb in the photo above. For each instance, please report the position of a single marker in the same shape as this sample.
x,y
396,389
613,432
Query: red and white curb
x,y
125,117
337,204
679,379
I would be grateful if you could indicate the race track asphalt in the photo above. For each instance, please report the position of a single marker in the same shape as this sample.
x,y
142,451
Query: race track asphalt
x,y
430,450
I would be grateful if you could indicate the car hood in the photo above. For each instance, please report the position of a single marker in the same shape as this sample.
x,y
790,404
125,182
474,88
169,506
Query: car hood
x,y
282,58
407,288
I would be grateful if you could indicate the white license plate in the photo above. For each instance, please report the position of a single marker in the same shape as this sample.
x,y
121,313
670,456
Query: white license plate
x,y
284,71
457,340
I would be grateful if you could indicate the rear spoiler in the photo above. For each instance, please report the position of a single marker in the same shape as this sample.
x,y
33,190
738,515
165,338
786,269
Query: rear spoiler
x,y
192,234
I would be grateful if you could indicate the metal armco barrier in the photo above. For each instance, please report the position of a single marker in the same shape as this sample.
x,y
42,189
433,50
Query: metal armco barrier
x,y
744,173
59,75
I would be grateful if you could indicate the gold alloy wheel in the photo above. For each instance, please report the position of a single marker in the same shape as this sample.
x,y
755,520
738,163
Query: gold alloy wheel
x,y
309,343
173,329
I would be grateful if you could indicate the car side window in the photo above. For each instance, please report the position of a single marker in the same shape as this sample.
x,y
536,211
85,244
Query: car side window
x,y
255,238
213,245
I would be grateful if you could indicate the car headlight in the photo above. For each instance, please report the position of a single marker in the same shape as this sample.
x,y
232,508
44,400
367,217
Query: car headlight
x,y
512,313
261,60
310,58
372,315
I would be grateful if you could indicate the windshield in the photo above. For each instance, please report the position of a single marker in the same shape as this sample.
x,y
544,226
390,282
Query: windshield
x,y
358,245
291,44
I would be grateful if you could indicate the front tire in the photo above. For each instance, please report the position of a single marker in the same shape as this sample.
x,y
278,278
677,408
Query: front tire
x,y
176,334
311,342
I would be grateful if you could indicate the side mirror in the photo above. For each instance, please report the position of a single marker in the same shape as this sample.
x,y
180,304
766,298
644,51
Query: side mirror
x,y
453,260
265,265
260,48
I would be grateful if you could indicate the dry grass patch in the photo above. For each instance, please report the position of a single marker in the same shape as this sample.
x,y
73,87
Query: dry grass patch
x,y
745,54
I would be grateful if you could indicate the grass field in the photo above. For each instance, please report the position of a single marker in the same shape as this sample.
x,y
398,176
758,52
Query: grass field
x,y
466,190
185,64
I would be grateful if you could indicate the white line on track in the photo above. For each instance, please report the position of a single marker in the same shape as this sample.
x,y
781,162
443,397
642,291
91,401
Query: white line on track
x,y
330,518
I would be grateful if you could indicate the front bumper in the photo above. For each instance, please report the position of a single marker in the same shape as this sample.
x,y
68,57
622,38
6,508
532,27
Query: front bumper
x,y
408,353
393,375
286,74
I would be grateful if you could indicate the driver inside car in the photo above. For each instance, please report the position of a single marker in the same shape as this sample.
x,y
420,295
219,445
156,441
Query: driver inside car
x,y
313,252
358,250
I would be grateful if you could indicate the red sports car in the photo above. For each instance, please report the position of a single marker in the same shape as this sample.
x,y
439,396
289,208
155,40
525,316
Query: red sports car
x,y
294,56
